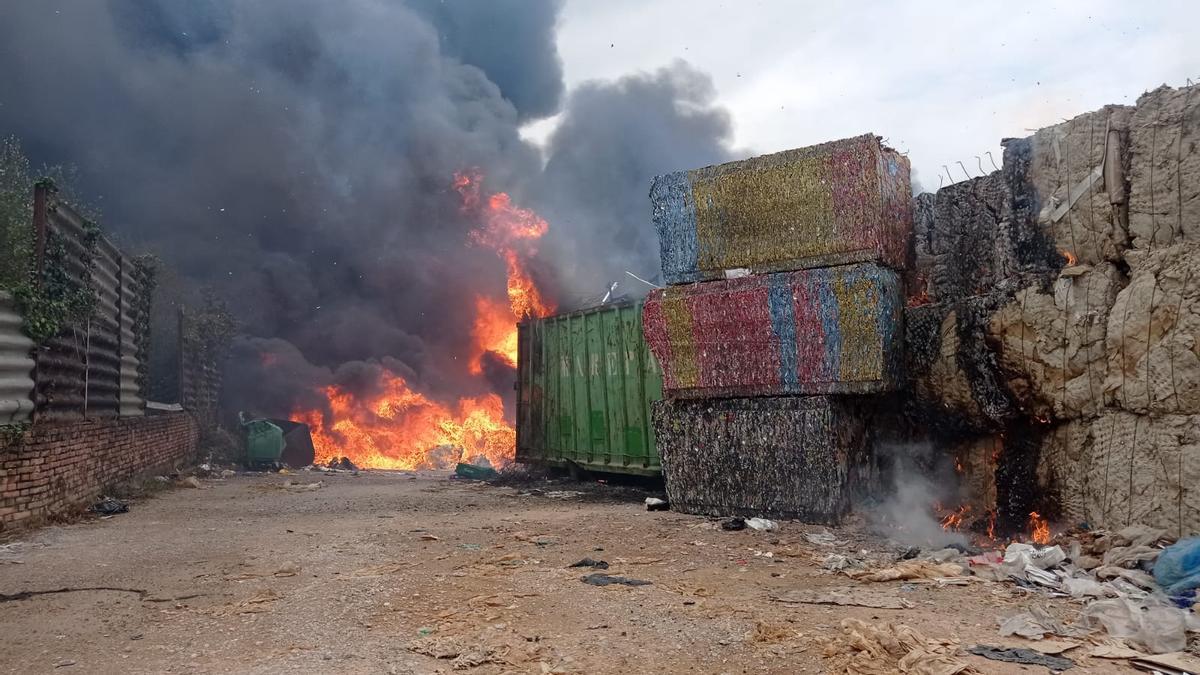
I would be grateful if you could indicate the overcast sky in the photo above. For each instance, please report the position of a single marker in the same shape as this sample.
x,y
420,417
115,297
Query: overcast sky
x,y
941,81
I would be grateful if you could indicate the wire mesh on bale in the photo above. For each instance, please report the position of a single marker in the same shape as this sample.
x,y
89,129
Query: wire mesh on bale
x,y
782,457
834,330
830,204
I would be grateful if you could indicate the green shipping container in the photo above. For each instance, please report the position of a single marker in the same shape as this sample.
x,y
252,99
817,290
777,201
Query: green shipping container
x,y
585,382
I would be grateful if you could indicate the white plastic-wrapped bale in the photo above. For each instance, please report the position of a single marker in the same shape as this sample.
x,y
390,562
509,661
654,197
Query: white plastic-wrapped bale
x,y
782,457
1124,469
1075,181
1164,189
1050,342
1154,333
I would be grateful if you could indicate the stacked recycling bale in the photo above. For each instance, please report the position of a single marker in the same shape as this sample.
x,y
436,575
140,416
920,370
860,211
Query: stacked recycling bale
x,y
1063,318
784,307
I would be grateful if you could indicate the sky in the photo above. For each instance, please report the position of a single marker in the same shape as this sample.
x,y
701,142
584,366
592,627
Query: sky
x,y
944,85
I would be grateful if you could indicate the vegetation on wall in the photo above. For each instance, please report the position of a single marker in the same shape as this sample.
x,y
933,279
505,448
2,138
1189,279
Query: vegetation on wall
x,y
54,296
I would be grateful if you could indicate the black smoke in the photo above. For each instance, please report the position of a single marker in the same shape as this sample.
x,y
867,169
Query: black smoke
x,y
614,137
296,157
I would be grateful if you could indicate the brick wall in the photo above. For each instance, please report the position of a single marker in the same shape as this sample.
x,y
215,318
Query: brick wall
x,y
54,468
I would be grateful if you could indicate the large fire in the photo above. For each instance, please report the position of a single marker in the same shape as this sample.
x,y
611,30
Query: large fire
x,y
399,428
512,232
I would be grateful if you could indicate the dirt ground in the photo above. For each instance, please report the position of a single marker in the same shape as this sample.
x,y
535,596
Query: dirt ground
x,y
384,572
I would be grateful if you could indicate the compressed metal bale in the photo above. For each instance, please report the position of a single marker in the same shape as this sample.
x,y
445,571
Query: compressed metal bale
x,y
1164,189
823,331
830,204
784,457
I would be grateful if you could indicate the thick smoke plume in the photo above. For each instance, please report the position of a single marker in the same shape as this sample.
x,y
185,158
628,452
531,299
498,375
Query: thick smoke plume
x,y
297,157
917,478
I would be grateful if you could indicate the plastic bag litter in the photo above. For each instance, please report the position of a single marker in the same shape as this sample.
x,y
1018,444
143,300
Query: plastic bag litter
x,y
1041,558
1177,569
1081,587
1035,625
762,524
1156,627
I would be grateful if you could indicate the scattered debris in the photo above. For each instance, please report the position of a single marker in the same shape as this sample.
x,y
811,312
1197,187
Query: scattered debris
x,y
588,562
563,494
1025,656
294,486
474,472
109,506
762,524
1036,624
1156,626
909,569
1177,569
289,569
823,539
890,648
846,597
255,603
598,579
190,482
25,595
733,524
656,504
342,463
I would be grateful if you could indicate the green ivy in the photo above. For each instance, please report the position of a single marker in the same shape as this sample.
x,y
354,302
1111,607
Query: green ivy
x,y
51,300
145,272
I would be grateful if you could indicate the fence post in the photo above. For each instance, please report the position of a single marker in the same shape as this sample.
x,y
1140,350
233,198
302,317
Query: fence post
x,y
40,193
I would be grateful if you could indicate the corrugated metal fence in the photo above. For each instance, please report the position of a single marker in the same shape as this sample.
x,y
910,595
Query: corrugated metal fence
x,y
16,365
89,369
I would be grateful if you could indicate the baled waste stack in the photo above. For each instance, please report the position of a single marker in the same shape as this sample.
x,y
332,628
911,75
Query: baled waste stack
x,y
1061,295
797,298
841,202
821,331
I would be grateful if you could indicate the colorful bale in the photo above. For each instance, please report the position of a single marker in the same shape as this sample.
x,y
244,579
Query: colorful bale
x,y
783,457
824,331
831,204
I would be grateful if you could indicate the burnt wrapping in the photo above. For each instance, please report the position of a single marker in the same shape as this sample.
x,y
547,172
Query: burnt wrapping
x,y
953,371
782,457
836,203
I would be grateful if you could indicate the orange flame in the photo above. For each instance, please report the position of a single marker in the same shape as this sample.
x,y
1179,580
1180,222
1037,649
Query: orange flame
x,y
1069,257
512,232
399,428
954,521
1039,529
991,527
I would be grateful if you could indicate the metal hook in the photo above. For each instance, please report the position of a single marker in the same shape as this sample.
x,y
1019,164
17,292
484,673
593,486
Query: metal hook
x,y
989,156
979,161
941,181
964,168
948,174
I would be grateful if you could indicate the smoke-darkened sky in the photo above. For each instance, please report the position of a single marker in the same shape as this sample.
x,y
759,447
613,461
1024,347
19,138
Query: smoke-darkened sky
x,y
297,157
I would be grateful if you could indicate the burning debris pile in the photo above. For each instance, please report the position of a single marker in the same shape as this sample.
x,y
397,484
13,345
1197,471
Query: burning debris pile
x,y
1050,316
391,425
